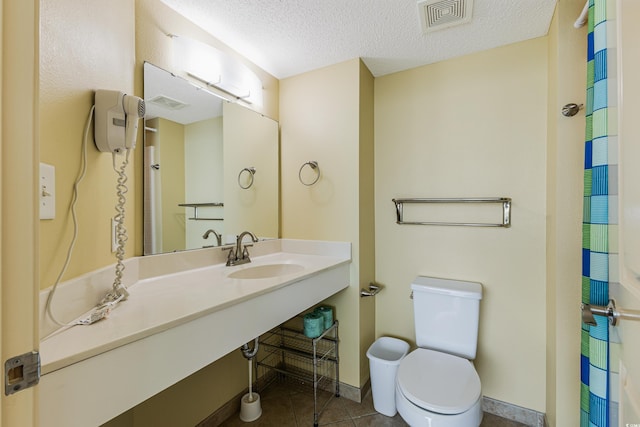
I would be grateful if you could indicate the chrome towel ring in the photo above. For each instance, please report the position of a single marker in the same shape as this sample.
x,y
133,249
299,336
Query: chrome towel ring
x,y
314,166
251,171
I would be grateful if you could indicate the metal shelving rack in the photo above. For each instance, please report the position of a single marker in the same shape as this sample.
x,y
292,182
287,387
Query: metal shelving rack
x,y
286,351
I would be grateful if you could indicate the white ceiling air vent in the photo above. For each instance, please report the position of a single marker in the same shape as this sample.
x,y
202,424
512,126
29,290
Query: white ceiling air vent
x,y
166,102
439,14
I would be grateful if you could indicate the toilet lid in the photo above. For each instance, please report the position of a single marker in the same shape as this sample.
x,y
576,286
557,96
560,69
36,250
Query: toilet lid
x,y
439,382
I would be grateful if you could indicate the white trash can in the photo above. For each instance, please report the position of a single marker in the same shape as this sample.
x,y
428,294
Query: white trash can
x,y
384,356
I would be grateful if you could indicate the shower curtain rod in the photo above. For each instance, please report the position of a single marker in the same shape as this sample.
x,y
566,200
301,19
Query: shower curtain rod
x,y
584,16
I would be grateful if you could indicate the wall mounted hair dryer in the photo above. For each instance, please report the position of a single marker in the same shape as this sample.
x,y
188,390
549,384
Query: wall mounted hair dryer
x,y
116,120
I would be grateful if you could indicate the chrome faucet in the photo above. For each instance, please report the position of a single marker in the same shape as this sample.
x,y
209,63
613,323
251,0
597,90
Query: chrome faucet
x,y
240,254
210,231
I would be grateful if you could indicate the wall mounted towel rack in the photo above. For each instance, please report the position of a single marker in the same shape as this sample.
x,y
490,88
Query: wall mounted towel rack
x,y
252,173
609,311
505,201
315,168
195,207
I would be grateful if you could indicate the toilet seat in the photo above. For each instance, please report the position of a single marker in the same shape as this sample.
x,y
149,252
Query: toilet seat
x,y
438,382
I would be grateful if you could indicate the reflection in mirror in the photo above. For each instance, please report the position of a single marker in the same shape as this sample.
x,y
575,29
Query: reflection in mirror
x,y
196,145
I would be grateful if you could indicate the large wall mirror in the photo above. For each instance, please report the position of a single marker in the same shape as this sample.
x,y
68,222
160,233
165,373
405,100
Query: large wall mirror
x,y
209,164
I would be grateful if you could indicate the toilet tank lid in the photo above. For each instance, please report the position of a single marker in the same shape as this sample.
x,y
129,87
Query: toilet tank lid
x,y
457,288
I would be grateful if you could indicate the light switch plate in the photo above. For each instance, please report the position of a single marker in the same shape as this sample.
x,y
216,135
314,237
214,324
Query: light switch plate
x,y
47,191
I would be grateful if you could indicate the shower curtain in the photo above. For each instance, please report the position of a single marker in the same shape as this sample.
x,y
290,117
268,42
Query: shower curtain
x,y
600,209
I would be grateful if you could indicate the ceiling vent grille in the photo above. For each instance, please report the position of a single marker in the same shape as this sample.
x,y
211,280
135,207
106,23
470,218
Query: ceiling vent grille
x,y
440,14
166,102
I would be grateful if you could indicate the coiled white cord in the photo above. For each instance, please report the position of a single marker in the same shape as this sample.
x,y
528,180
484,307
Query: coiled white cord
x,y
119,291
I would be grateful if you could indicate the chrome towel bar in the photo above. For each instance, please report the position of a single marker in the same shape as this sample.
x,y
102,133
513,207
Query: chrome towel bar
x,y
195,207
505,201
609,311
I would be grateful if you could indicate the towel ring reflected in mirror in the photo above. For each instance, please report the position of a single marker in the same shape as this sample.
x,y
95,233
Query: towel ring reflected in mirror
x,y
251,171
314,166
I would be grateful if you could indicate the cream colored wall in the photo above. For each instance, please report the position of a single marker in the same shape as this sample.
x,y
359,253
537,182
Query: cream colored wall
x,y
367,216
320,118
204,178
19,281
250,140
565,145
170,154
470,127
83,46
191,400
552,266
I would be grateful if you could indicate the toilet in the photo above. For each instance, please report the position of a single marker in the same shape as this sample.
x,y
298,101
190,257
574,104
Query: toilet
x,y
437,384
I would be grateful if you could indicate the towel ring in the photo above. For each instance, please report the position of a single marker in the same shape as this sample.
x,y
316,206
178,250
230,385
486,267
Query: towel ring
x,y
314,166
252,172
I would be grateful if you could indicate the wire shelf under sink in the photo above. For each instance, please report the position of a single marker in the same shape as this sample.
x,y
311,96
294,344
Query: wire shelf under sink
x,y
286,353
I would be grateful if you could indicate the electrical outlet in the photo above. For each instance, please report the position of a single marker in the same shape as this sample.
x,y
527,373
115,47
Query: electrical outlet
x,y
47,191
114,238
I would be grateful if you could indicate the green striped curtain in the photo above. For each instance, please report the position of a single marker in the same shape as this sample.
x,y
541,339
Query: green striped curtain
x,y
600,209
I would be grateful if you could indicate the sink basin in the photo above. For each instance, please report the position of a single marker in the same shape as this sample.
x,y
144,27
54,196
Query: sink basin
x,y
266,271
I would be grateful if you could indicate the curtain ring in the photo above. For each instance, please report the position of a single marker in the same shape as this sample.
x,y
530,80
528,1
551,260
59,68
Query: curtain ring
x,y
314,166
252,172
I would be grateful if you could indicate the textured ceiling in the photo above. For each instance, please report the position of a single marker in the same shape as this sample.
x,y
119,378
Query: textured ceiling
x,y
289,37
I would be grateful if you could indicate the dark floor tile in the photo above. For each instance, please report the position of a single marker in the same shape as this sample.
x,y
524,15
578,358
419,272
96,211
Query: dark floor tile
x,y
290,404
346,423
277,411
356,409
275,390
331,409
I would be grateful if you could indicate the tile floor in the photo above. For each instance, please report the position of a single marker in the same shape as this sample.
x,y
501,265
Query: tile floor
x,y
286,405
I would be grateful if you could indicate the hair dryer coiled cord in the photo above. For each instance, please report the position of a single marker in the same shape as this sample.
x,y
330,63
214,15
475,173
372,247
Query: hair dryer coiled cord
x,y
119,291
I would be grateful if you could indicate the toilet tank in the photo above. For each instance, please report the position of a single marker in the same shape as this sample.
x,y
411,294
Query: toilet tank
x,y
446,315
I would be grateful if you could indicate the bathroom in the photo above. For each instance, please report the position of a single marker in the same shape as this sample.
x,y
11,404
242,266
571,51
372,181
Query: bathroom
x,y
368,137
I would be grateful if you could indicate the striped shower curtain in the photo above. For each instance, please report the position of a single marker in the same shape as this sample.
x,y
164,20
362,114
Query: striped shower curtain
x,y
600,209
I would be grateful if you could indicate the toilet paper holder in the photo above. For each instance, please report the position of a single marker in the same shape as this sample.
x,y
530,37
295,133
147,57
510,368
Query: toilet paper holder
x,y
373,290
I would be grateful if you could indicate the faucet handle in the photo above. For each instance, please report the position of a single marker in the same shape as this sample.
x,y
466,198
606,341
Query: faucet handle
x,y
245,251
232,255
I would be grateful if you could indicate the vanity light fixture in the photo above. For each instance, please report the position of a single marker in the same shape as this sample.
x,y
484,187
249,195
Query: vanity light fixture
x,y
229,89
217,70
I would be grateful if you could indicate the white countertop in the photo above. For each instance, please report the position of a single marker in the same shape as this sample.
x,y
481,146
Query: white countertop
x,y
159,303
183,313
